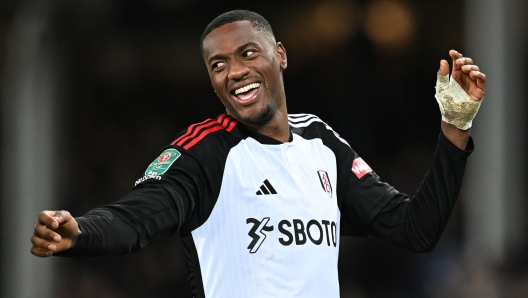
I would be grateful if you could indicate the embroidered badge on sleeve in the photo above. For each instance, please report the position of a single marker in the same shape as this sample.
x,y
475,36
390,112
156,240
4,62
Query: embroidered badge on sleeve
x,y
161,164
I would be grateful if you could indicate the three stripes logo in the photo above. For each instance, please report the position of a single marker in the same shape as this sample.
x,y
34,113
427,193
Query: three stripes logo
x,y
266,189
258,227
197,132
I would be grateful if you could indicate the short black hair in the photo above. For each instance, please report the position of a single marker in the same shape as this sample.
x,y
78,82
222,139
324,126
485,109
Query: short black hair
x,y
258,22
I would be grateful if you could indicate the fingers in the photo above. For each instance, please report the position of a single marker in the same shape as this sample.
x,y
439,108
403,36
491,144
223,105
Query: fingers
x,y
444,68
480,79
46,219
467,66
460,63
464,61
455,56
41,231
41,252
45,240
478,76
52,219
42,245
464,64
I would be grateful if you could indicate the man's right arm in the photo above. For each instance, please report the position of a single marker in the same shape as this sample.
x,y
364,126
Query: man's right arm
x,y
132,223
156,207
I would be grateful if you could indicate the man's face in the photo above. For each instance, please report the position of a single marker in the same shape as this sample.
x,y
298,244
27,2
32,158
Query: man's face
x,y
245,66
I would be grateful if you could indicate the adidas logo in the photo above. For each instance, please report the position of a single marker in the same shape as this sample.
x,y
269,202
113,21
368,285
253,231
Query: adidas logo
x,y
266,189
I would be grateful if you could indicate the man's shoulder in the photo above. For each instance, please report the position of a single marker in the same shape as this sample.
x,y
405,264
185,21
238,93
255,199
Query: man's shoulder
x,y
311,126
209,130
303,120
198,145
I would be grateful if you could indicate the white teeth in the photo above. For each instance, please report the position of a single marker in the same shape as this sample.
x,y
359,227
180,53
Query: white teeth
x,y
247,88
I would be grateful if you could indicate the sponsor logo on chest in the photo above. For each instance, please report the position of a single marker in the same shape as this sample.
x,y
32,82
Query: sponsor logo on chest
x,y
292,232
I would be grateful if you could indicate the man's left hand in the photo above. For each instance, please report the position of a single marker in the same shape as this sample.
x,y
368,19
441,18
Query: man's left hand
x,y
459,97
467,75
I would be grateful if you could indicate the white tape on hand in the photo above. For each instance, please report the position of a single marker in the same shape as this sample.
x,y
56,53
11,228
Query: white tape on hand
x,y
456,106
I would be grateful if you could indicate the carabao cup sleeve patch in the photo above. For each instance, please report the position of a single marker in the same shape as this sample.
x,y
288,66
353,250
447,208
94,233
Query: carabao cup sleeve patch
x,y
163,162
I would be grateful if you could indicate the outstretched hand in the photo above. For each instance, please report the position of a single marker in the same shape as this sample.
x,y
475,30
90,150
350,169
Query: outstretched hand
x,y
54,231
459,98
466,74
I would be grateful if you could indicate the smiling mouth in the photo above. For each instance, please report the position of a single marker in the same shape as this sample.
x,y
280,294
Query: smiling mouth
x,y
247,92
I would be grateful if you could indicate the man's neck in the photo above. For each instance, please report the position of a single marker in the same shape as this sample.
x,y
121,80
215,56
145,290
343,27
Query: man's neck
x,y
277,128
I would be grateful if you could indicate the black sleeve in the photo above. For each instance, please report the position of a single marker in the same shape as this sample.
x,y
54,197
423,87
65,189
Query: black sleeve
x,y
156,207
416,224
369,206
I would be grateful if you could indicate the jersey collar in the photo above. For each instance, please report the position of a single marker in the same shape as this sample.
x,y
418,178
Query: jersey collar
x,y
263,139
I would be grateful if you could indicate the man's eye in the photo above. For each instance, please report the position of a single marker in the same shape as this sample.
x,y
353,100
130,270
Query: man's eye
x,y
217,64
248,53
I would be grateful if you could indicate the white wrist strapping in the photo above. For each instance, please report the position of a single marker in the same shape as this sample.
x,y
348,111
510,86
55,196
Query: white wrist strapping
x,y
456,106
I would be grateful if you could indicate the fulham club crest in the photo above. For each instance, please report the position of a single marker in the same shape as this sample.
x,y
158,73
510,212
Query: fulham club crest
x,y
325,182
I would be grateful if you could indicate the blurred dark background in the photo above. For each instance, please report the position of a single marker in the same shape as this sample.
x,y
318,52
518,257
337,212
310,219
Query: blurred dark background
x,y
130,78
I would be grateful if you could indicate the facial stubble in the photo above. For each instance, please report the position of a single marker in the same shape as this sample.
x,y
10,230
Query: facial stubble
x,y
260,118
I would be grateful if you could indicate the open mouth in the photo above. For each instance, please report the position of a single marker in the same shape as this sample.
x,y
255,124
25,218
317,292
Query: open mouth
x,y
247,92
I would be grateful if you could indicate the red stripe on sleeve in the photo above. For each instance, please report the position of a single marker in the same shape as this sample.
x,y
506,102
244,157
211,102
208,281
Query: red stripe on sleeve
x,y
189,130
220,118
231,126
225,122
202,135
196,132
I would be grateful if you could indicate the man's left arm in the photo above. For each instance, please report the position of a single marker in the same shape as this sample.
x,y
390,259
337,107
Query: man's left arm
x,y
417,224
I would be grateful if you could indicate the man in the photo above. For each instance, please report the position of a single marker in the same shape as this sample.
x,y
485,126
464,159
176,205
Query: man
x,y
260,197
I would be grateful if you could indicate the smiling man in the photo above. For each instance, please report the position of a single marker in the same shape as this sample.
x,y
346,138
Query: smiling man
x,y
261,197
245,65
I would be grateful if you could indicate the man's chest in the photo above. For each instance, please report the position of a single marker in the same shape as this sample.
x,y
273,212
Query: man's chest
x,y
285,192
292,179
275,212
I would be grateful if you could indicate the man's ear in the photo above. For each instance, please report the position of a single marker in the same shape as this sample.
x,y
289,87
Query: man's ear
x,y
283,59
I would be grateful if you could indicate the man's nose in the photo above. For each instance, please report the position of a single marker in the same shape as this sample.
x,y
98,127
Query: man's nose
x,y
237,70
